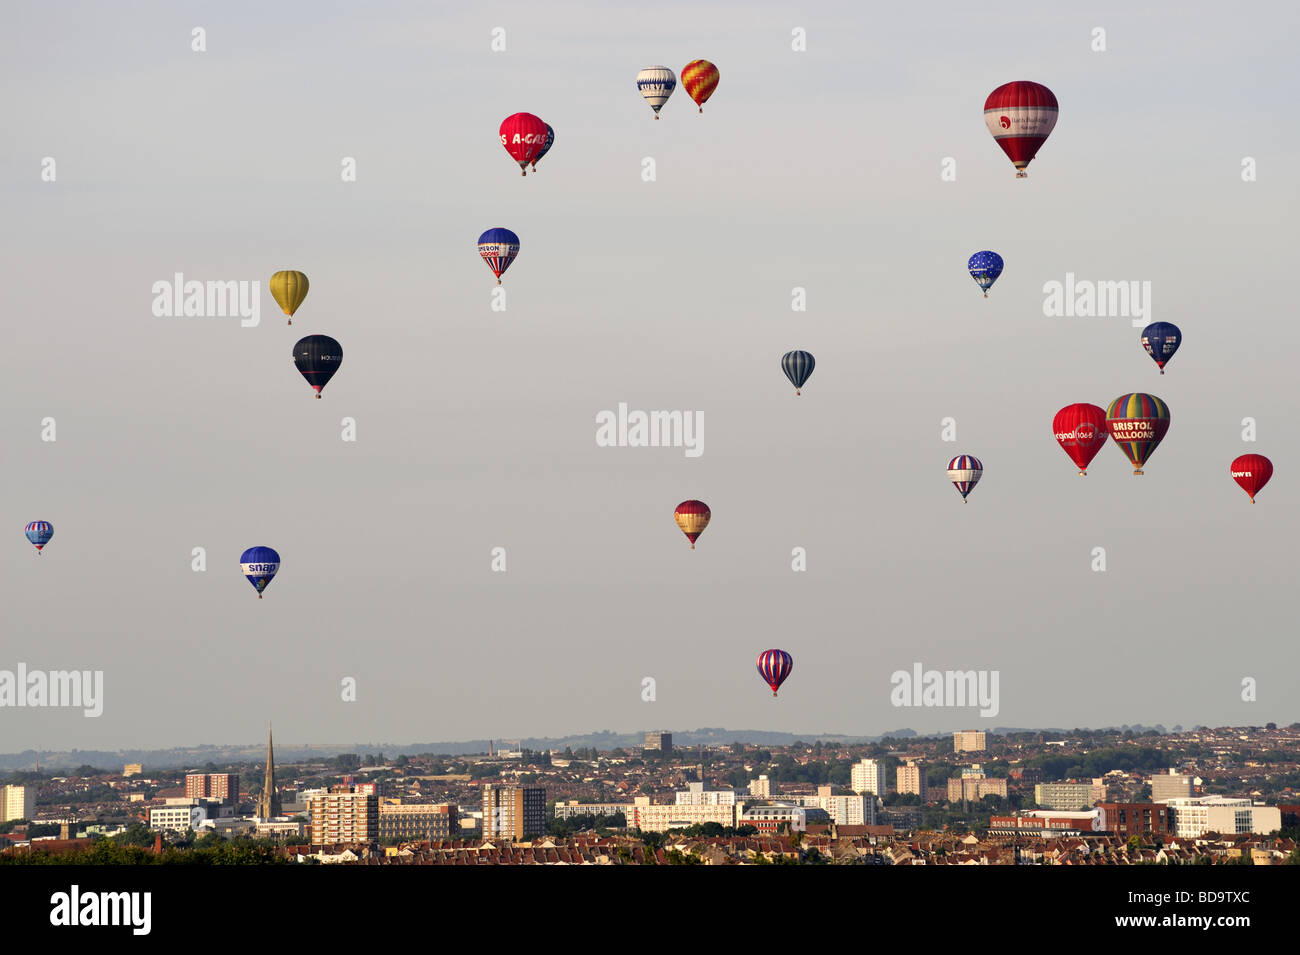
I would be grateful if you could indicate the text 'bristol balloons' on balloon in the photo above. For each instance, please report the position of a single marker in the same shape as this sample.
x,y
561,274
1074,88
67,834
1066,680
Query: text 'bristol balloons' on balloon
x,y
985,267
1020,115
546,147
289,289
498,247
39,533
1252,472
1161,340
524,137
259,565
774,666
964,471
1081,431
798,367
700,77
656,84
1137,423
318,357
692,517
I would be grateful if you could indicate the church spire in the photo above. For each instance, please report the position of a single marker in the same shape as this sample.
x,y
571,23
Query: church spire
x,y
268,805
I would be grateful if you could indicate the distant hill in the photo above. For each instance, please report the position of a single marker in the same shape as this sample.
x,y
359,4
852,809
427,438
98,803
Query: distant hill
x,y
197,756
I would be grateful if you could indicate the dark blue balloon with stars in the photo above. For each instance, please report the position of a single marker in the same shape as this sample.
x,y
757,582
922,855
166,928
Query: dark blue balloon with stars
x,y
985,267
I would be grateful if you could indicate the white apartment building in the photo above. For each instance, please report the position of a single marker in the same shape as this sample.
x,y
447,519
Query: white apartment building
x,y
661,818
697,795
868,776
17,802
177,817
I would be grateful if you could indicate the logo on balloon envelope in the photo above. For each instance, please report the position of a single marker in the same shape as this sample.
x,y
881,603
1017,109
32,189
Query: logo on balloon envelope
x,y
1004,122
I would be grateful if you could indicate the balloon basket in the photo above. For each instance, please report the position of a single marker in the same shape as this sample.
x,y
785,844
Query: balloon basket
x,y
1137,471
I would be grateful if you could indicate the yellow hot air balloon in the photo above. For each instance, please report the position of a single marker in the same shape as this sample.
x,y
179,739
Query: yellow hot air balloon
x,y
692,517
289,289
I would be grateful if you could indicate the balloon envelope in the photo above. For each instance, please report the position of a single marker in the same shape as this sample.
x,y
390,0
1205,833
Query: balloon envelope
x,y
700,77
318,357
524,136
498,247
692,517
656,84
774,666
1161,340
289,289
1021,115
1252,472
965,471
1137,423
546,147
1080,429
39,533
259,565
985,267
798,366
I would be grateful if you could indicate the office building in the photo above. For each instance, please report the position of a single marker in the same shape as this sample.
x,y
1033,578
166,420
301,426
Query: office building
x,y
1067,796
178,815
1171,785
968,741
660,742
912,779
868,776
661,818
1049,823
858,809
17,802
513,812
573,808
1226,815
418,822
975,785
343,815
697,795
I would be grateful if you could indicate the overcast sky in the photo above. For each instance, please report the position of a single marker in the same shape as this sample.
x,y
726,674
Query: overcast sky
x,y
476,429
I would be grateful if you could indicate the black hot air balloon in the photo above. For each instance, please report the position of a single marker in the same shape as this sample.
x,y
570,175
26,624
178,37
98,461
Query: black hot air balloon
x,y
318,357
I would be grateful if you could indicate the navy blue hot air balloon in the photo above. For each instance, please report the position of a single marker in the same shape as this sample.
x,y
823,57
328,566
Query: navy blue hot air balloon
x,y
798,366
39,533
259,565
546,147
1161,340
985,267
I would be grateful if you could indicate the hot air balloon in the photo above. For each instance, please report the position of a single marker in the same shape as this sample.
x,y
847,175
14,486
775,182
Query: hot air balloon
x,y
985,267
546,148
656,84
1252,472
318,357
289,289
964,471
774,666
1081,431
692,517
39,533
1161,340
498,247
798,367
524,137
259,565
1137,423
700,77
1020,116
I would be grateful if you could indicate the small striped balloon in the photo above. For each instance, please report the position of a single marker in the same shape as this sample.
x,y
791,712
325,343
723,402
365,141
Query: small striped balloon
x,y
964,472
39,533
798,366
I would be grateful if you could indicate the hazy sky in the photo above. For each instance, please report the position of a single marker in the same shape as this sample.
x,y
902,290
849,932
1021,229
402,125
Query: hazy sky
x,y
476,429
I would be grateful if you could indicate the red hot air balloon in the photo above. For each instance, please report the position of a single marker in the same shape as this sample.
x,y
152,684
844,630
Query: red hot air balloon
x,y
1020,115
700,77
692,517
1081,431
774,666
524,136
1252,472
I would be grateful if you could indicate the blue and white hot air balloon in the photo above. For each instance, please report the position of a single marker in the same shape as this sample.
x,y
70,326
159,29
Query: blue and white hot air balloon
x,y
498,247
656,84
985,267
39,533
798,366
259,565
